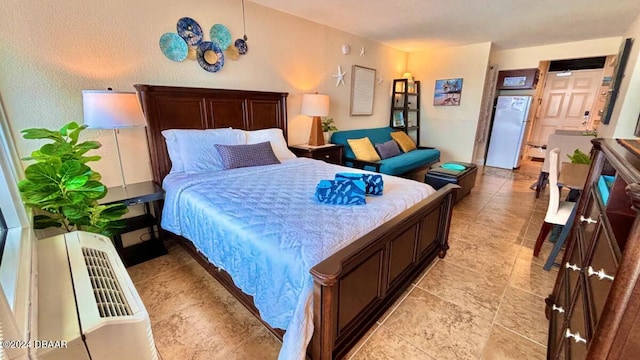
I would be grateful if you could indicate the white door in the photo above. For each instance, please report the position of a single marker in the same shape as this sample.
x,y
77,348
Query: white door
x,y
566,102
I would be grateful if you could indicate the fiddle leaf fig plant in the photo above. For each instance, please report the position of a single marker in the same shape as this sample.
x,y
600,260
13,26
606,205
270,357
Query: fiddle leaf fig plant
x,y
65,190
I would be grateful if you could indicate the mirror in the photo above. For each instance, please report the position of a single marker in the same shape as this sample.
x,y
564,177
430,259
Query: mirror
x,y
362,90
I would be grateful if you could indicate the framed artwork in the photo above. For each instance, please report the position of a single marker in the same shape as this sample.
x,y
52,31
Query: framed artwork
x,y
518,79
362,90
447,92
618,74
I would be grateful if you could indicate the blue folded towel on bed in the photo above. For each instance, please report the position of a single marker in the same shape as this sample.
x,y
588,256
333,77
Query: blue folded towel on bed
x,y
341,192
373,182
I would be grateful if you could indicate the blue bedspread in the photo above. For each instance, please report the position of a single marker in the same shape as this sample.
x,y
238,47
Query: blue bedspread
x,y
263,226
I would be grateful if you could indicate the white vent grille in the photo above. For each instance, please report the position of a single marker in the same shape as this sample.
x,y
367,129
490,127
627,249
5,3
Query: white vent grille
x,y
106,289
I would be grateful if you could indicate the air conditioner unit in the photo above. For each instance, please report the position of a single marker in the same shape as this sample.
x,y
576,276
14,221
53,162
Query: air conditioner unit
x,y
88,307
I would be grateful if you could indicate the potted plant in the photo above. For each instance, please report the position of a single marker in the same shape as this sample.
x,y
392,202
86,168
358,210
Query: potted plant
x,y
63,189
328,128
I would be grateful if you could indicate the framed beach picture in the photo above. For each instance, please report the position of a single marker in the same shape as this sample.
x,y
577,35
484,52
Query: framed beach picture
x,y
447,92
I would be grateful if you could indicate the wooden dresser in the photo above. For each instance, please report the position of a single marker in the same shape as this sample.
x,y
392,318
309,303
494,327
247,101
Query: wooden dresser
x,y
594,310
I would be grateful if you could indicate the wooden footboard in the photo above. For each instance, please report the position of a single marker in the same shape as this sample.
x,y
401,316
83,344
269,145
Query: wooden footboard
x,y
353,287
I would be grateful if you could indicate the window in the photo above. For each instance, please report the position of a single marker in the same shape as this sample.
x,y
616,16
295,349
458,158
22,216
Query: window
x,y
18,239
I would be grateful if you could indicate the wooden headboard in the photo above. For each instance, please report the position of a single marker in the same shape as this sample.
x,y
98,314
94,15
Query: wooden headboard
x,y
168,107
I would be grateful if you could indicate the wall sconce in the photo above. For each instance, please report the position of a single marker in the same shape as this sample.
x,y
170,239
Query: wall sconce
x,y
315,105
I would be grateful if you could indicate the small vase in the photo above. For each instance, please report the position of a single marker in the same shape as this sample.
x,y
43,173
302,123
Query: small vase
x,y
327,136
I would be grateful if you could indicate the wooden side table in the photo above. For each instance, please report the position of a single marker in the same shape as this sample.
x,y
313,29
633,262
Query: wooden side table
x,y
149,194
331,153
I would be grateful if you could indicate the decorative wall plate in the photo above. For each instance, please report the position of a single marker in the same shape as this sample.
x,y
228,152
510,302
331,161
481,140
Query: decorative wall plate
x,y
189,30
232,53
220,35
241,45
173,47
211,66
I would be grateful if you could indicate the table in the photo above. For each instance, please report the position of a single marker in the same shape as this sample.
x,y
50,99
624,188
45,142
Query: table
x,y
149,194
573,176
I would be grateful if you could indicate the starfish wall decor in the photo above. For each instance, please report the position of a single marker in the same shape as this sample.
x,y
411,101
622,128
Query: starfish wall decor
x,y
362,51
340,76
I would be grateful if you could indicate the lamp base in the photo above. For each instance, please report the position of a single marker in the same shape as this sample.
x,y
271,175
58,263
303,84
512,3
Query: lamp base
x,y
316,138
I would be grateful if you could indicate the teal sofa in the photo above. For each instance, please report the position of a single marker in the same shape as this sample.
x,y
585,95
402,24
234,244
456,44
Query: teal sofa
x,y
396,165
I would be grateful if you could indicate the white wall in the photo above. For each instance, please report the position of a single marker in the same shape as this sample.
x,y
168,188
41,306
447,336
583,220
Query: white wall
x,y
530,57
50,52
626,112
452,129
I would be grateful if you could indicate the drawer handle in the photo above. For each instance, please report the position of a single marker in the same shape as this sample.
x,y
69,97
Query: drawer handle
x,y
557,308
601,274
576,336
326,156
573,267
588,220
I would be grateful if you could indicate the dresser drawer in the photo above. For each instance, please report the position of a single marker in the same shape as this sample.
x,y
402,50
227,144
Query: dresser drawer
x,y
559,310
600,272
573,266
589,219
331,155
576,336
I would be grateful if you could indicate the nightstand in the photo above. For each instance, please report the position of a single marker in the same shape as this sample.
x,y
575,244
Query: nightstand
x,y
331,153
149,194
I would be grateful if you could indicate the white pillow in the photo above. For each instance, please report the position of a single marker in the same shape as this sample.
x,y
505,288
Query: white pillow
x,y
275,136
174,150
195,150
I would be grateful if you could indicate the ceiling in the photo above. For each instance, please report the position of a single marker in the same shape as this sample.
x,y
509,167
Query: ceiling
x,y
416,25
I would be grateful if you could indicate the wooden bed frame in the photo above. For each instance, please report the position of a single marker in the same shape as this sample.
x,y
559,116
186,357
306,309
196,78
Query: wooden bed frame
x,y
353,287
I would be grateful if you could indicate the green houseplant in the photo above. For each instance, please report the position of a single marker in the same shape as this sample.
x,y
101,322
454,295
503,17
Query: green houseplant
x,y
578,157
328,128
63,189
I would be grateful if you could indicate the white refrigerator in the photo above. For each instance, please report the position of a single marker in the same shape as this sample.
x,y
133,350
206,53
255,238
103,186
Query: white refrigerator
x,y
510,122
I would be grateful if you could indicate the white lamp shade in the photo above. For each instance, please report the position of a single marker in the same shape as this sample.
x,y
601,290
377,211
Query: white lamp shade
x,y
111,109
315,105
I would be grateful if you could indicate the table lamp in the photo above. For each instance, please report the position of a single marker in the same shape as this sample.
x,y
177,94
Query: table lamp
x,y
315,105
106,109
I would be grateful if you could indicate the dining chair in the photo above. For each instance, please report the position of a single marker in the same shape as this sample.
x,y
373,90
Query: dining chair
x,y
558,212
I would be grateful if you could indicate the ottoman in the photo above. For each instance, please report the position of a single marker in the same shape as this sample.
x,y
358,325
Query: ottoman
x,y
455,172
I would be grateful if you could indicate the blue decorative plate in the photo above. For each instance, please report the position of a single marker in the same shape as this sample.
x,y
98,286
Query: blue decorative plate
x,y
190,31
220,35
450,166
241,45
173,47
206,64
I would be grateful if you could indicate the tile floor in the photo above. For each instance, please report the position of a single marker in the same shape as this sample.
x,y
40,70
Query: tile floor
x,y
484,300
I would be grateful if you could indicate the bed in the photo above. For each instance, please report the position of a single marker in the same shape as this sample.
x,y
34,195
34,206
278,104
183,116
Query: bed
x,y
346,285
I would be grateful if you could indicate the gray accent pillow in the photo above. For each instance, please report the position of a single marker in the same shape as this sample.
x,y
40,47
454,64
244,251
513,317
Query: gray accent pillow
x,y
237,156
388,149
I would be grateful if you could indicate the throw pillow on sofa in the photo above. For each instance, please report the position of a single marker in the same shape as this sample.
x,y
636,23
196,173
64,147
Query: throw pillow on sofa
x,y
388,149
406,143
363,149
